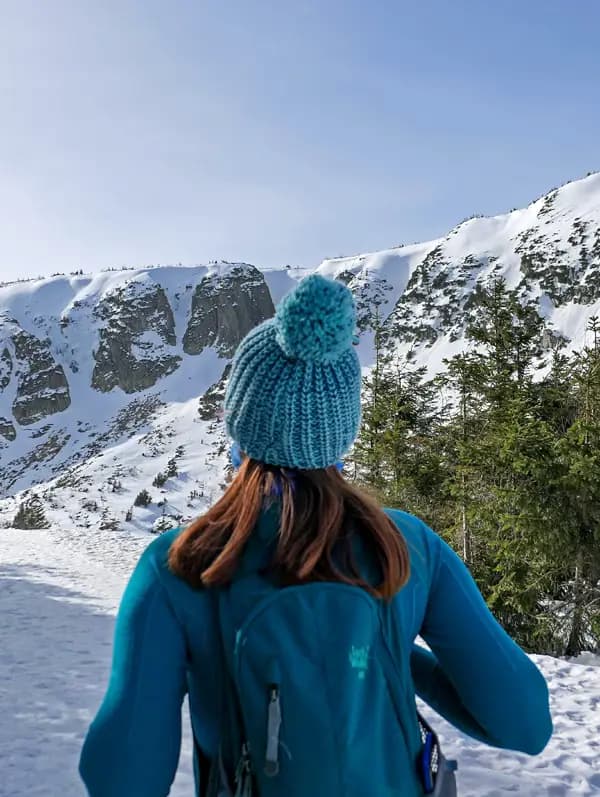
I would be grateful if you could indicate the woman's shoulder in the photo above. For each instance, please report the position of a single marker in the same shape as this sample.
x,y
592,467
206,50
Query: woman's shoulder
x,y
188,603
157,552
156,557
423,543
410,525
404,520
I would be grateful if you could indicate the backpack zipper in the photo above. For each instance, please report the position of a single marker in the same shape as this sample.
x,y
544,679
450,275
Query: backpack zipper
x,y
243,773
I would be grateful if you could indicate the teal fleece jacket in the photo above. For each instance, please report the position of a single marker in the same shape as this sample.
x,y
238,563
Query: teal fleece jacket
x,y
475,676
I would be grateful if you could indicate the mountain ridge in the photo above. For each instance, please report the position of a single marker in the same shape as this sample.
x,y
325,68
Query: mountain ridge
x,y
101,374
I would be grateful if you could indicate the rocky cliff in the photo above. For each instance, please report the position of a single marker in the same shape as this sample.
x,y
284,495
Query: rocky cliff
x,y
31,375
225,307
137,341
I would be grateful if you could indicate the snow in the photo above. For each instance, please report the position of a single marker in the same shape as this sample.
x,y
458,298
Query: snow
x,y
395,266
591,659
58,598
149,344
570,764
279,282
59,592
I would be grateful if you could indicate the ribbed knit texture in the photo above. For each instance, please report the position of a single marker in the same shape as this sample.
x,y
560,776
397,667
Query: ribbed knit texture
x,y
293,396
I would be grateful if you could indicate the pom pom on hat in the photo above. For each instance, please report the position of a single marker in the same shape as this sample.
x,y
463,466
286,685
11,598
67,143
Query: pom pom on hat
x,y
315,322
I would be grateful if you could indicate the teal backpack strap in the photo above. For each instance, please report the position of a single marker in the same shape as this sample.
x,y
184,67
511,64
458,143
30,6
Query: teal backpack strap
x,y
232,752
219,783
435,772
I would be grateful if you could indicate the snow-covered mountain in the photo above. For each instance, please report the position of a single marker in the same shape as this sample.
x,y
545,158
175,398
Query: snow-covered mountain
x,y
110,384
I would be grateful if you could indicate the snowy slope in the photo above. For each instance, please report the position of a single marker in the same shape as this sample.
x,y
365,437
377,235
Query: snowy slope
x,y
58,596
109,436
127,354
549,251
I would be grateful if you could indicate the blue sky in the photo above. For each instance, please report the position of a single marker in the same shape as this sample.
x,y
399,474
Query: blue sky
x,y
277,132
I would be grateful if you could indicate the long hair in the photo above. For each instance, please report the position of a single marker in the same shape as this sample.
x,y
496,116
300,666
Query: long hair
x,y
320,514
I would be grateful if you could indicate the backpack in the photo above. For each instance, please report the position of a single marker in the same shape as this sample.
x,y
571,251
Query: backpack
x,y
317,698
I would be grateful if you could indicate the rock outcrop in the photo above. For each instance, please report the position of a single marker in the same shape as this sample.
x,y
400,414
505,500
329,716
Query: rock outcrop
x,y
137,334
211,403
6,368
225,307
42,387
370,292
7,429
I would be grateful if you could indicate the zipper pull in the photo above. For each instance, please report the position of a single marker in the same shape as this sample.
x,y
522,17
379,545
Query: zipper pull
x,y
247,787
243,777
273,727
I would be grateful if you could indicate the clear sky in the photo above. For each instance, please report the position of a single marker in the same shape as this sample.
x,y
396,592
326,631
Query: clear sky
x,y
281,131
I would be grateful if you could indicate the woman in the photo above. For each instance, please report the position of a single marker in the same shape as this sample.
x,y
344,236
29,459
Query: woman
x,y
288,611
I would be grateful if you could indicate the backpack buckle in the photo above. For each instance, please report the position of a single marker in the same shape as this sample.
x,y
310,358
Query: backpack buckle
x,y
435,771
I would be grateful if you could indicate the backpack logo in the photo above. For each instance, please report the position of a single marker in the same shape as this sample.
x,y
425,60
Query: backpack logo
x,y
359,659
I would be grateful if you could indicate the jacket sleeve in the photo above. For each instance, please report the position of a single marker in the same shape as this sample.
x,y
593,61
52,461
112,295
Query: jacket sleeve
x,y
132,746
477,677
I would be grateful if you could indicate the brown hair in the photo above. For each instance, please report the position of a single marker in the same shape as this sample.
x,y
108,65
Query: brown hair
x,y
319,511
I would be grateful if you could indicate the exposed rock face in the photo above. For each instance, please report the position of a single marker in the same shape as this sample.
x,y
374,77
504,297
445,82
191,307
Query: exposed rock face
x,y
134,345
225,308
42,387
6,367
436,299
211,403
565,270
369,291
210,408
7,429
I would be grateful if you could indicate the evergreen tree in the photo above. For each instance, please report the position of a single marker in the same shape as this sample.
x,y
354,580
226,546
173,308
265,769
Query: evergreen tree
x,y
142,498
503,460
367,451
579,450
458,438
502,463
520,521
556,398
30,514
509,334
160,479
411,461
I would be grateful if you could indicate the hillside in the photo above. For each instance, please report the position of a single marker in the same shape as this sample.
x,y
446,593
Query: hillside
x,y
110,384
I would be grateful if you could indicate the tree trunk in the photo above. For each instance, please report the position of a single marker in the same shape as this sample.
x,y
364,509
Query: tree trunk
x,y
577,630
465,533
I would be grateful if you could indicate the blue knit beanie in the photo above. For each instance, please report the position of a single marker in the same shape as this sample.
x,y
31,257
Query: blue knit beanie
x,y
293,396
